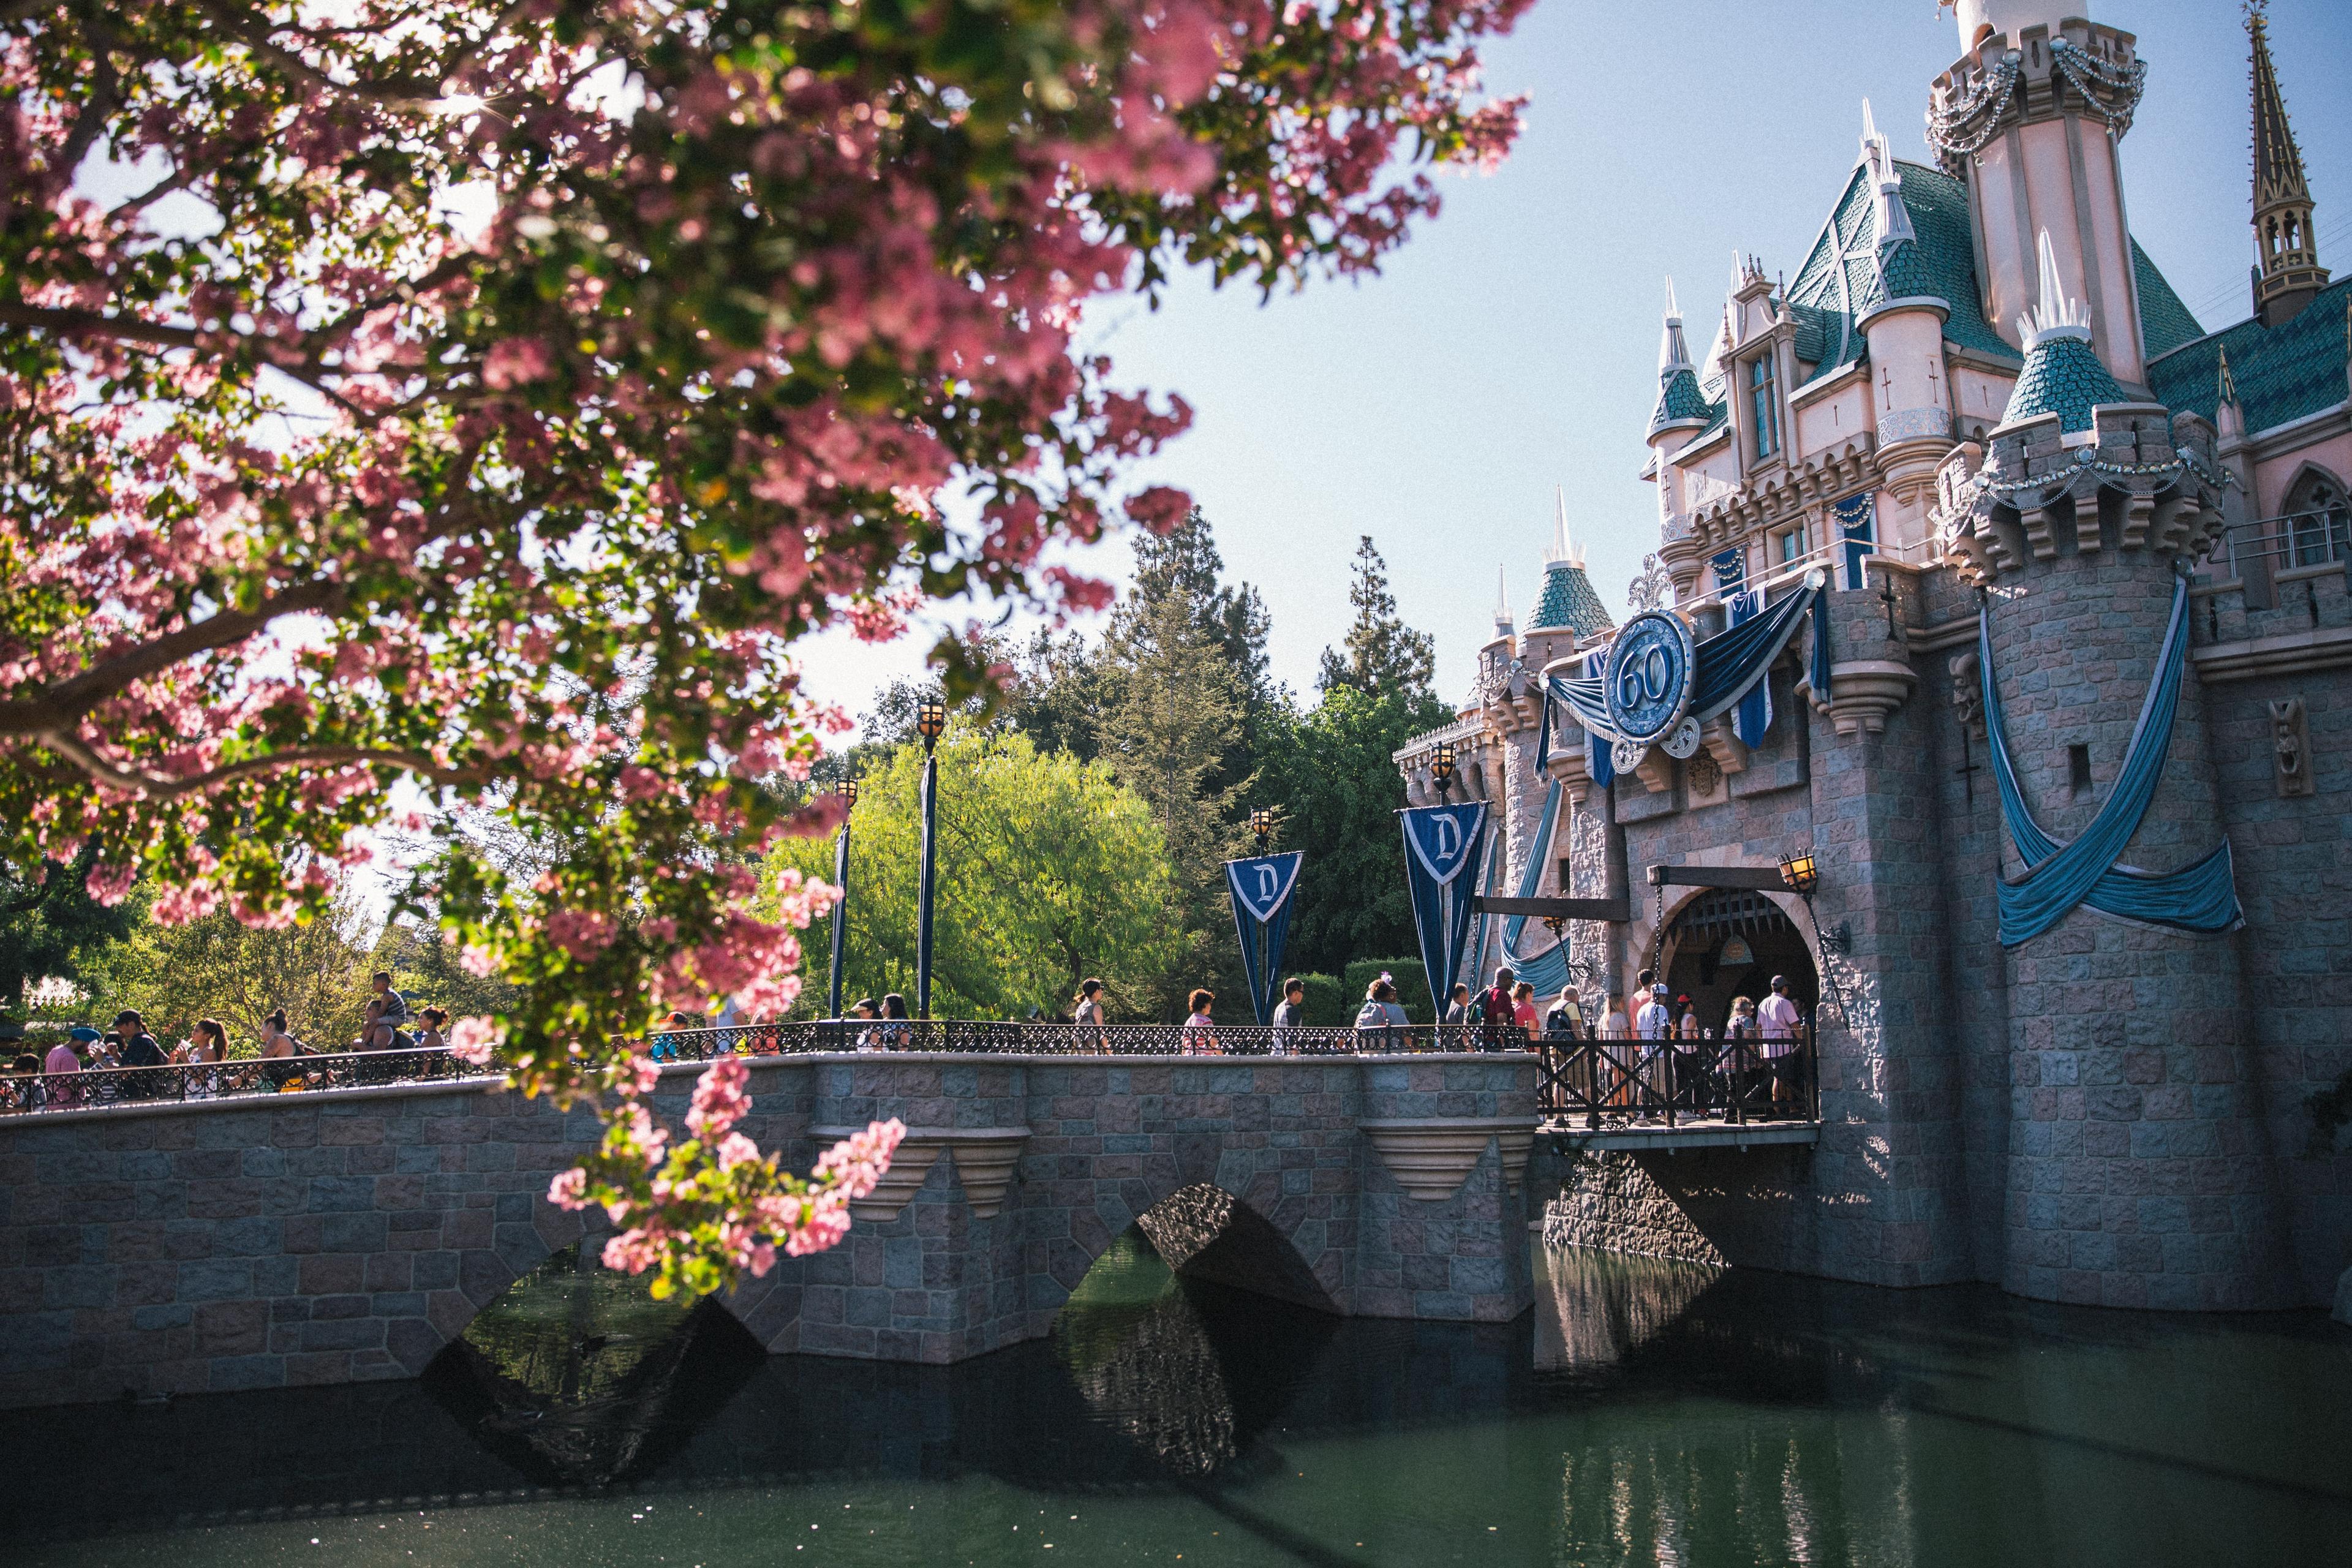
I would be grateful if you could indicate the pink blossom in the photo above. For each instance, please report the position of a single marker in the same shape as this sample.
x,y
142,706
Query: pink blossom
x,y
516,362
569,1189
856,1163
473,1040
721,1098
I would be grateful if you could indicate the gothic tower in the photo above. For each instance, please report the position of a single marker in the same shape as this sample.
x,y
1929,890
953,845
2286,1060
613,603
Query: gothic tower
x,y
2286,267
2031,117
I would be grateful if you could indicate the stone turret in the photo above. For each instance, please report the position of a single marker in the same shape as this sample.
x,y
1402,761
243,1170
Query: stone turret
x,y
2130,1059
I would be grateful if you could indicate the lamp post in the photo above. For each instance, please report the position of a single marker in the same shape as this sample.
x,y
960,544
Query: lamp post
x,y
931,723
1262,825
841,881
1441,771
1801,875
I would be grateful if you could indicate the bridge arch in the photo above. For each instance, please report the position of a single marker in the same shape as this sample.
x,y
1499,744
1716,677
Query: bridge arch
x,y
1724,942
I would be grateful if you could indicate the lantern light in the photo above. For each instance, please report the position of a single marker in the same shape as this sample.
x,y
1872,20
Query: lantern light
x,y
1442,771
1800,872
931,719
849,791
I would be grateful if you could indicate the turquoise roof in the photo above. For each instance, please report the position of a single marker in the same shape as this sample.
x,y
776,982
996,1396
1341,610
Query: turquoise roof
x,y
2064,377
1568,600
2165,323
2281,372
1840,279
1678,399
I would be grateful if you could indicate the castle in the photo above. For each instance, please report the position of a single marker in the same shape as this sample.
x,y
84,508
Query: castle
x,y
2067,732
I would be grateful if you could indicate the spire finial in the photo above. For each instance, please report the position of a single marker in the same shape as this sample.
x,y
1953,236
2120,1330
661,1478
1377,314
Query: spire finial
x,y
2288,272
1502,600
1674,353
2055,316
1674,311
2229,388
1869,136
1563,551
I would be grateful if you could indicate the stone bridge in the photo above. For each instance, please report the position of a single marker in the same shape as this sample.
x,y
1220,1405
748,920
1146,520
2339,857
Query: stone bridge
x,y
348,1235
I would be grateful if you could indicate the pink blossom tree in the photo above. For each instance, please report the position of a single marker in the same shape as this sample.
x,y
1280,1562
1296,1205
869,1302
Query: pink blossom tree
x,y
306,492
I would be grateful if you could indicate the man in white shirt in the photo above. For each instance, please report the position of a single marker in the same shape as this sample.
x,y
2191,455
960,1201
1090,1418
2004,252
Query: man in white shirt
x,y
1777,1020
1654,1021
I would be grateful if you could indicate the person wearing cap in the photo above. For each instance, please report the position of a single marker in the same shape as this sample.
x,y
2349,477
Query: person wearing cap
x,y
1778,1022
65,1057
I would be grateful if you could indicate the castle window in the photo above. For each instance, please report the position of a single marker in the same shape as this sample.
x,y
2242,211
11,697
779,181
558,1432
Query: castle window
x,y
2078,770
1792,547
1766,405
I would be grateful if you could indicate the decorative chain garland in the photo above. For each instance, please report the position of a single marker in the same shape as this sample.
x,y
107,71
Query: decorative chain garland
x,y
1947,130
2082,69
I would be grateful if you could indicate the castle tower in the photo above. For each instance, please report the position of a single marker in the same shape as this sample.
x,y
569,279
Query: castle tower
x,y
2286,268
2029,117
1903,318
2137,1162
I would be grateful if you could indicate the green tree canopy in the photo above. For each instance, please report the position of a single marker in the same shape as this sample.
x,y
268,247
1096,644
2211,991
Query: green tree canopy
x,y
50,928
216,967
1338,794
1049,871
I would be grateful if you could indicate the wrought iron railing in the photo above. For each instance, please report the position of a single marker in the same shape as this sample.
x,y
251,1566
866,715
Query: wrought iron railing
x,y
29,1092
1678,1081
856,1035
243,1078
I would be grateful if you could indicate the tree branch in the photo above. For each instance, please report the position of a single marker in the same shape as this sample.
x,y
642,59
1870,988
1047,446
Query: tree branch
x,y
158,786
56,709
96,324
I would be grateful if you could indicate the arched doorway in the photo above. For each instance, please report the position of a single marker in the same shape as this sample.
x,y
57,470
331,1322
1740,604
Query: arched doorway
x,y
1730,943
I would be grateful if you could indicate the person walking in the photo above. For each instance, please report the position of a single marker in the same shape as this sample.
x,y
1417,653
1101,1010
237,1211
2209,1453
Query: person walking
x,y
65,1058
428,1038
1495,1009
1458,1006
1524,1016
1289,1013
1689,1062
897,1031
1086,1013
139,1049
1200,1030
1780,1022
1566,1019
1380,1016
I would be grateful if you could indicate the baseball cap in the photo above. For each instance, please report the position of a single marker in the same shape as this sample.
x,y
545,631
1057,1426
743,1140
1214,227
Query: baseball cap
x,y
83,1033
1659,991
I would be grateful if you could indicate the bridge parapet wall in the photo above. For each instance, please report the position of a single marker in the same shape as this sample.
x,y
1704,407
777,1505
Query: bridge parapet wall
x,y
345,1236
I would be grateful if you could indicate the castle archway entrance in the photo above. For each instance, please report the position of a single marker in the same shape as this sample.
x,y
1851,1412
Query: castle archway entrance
x,y
1730,943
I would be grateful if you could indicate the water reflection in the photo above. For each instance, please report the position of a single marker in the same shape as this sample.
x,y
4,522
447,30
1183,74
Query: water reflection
x,y
1600,1305
1645,1413
578,1376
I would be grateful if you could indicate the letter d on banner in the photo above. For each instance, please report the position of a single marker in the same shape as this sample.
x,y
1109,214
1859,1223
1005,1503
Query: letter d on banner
x,y
1261,888
1441,843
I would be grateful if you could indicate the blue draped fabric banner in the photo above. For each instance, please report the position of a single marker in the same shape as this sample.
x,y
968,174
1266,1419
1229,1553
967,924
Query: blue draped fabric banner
x,y
1440,862
1261,888
1474,956
1751,716
2200,898
1546,971
1730,570
1855,517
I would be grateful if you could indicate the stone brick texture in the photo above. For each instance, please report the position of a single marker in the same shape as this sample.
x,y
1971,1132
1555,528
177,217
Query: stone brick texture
x,y
2107,1114
342,1237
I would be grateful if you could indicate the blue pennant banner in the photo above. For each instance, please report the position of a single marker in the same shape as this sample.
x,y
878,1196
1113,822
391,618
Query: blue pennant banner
x,y
1261,888
1547,971
1440,862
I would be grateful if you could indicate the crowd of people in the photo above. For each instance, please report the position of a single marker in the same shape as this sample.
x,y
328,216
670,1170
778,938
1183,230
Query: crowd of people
x,y
36,1080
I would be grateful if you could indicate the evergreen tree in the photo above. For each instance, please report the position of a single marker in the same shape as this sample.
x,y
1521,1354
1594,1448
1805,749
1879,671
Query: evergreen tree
x,y
1167,737
1384,656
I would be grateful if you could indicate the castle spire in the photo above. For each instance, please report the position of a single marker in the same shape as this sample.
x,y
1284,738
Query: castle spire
x,y
1878,157
1680,403
2286,270
2061,375
1502,602
1563,551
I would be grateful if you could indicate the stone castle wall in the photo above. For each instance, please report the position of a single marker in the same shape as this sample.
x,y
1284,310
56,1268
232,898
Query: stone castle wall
x,y
2108,1113
327,1238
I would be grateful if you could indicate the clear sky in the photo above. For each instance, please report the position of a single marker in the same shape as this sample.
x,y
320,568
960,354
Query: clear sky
x,y
1511,345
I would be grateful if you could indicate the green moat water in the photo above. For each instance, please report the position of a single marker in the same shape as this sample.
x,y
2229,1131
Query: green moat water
x,y
1645,1413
